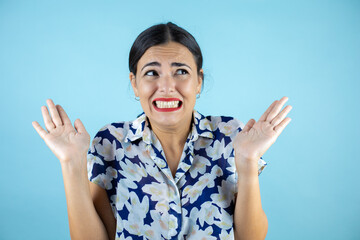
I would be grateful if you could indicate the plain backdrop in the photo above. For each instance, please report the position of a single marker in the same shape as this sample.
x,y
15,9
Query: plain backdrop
x,y
76,53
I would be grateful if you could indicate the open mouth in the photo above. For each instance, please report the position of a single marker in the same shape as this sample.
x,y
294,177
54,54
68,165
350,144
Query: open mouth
x,y
167,104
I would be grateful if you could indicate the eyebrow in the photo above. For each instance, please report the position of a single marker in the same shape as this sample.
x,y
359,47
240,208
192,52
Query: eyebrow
x,y
174,64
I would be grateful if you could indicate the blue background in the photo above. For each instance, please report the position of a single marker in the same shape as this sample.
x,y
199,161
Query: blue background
x,y
254,52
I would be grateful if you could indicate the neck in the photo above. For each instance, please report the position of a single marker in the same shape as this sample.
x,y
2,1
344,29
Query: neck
x,y
173,137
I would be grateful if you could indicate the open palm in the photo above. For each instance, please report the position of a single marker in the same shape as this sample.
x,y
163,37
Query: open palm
x,y
65,141
256,137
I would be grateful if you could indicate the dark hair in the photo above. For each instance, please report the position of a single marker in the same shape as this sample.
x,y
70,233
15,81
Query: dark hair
x,y
162,34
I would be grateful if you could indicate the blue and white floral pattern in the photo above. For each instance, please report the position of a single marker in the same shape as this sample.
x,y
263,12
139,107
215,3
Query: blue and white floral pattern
x,y
127,160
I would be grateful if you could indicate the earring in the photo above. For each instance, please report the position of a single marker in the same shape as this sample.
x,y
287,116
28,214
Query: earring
x,y
137,98
198,96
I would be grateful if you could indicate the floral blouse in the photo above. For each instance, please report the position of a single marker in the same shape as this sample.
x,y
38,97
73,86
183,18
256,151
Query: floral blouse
x,y
127,160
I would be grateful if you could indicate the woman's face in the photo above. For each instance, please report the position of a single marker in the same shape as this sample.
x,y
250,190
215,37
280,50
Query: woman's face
x,y
167,83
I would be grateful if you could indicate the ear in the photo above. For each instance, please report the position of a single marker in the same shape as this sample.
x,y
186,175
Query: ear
x,y
200,80
133,83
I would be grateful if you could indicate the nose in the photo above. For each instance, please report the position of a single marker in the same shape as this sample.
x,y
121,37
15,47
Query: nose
x,y
166,84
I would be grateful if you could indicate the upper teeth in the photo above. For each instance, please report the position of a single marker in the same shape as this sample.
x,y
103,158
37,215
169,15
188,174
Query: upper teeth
x,y
167,104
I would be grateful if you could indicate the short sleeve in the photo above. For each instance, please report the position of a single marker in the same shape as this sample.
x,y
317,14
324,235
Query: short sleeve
x,y
101,164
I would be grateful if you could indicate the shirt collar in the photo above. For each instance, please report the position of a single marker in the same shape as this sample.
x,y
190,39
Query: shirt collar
x,y
139,128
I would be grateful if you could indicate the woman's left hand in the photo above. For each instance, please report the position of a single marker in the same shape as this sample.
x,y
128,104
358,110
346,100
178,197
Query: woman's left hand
x,y
256,137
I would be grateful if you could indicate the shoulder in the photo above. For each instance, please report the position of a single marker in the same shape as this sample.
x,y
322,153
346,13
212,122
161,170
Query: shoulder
x,y
106,141
114,131
223,125
122,131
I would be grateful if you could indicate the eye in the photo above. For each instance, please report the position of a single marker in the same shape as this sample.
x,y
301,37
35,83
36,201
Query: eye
x,y
151,73
181,71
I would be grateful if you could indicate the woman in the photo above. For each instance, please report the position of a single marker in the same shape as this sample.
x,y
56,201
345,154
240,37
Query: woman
x,y
172,173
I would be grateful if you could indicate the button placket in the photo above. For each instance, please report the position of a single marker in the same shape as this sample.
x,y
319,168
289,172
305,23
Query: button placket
x,y
174,210
186,161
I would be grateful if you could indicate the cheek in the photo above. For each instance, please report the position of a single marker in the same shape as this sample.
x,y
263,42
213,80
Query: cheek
x,y
146,90
188,88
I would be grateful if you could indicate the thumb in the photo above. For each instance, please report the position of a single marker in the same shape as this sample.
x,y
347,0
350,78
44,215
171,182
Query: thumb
x,y
79,126
249,125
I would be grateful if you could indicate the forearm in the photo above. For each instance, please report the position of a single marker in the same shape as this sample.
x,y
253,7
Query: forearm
x,y
249,218
84,221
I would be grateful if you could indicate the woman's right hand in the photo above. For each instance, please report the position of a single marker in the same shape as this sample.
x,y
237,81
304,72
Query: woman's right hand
x,y
69,144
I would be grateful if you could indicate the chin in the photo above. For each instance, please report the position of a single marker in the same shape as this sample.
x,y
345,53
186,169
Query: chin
x,y
167,119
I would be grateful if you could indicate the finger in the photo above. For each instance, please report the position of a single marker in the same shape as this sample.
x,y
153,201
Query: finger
x,y
64,117
249,125
79,126
281,126
266,113
54,113
281,115
275,111
39,129
47,119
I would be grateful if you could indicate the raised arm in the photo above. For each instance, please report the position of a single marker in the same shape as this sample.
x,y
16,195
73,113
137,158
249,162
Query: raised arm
x,y
250,144
70,146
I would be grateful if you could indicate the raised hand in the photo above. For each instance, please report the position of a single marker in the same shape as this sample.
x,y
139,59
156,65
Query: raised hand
x,y
256,137
66,142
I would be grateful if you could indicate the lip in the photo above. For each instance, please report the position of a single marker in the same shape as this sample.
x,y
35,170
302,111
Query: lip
x,y
166,100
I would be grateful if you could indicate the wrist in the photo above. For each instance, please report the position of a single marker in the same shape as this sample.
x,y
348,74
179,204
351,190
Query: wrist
x,y
247,174
75,164
246,166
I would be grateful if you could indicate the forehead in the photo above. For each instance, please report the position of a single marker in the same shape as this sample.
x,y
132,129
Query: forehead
x,y
170,52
